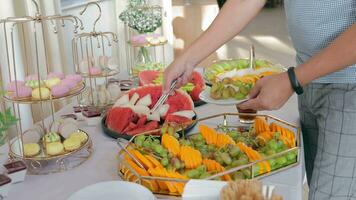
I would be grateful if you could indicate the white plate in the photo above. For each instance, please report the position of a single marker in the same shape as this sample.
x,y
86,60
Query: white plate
x,y
113,190
205,96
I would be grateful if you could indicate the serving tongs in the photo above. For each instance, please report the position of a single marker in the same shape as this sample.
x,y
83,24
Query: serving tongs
x,y
164,97
252,63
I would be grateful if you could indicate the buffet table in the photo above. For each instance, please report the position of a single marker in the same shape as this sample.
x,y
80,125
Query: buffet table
x,y
102,166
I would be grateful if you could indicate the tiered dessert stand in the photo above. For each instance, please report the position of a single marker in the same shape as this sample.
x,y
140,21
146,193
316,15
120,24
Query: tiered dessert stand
x,y
91,60
31,31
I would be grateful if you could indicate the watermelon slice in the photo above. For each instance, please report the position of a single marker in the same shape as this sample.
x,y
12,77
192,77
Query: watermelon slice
x,y
130,127
147,77
119,118
148,127
177,119
141,122
197,79
195,92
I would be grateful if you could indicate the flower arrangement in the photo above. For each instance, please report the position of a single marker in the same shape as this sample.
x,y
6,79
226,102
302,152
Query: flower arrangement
x,y
142,18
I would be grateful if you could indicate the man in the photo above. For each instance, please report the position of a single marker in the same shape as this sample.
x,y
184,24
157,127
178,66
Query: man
x,y
324,35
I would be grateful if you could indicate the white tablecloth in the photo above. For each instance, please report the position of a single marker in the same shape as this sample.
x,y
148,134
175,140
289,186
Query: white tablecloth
x,y
102,165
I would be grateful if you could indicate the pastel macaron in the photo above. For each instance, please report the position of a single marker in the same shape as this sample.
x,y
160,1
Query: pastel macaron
x,y
59,75
69,83
78,78
41,93
52,82
21,92
31,77
59,90
12,85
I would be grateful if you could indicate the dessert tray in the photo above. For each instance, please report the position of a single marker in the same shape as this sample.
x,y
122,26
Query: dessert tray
x,y
223,149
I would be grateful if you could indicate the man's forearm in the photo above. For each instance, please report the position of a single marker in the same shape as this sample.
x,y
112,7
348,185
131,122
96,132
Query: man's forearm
x,y
233,17
338,55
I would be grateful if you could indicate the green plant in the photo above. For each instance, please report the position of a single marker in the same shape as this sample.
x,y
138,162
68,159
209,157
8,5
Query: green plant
x,y
7,119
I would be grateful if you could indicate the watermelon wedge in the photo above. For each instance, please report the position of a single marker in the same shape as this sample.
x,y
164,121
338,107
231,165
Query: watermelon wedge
x,y
193,88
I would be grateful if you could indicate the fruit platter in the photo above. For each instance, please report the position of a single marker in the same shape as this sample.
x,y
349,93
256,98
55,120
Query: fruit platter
x,y
231,81
194,87
236,67
131,113
224,151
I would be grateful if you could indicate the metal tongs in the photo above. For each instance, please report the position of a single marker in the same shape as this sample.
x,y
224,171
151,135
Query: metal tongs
x,y
252,58
164,97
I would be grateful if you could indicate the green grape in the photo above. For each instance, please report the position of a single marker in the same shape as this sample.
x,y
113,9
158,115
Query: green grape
x,y
239,162
291,156
194,173
270,152
239,96
156,141
281,160
164,162
234,151
199,144
238,175
146,144
272,162
164,128
201,168
163,153
247,173
197,137
218,158
211,147
226,158
272,144
204,175
176,163
171,130
233,134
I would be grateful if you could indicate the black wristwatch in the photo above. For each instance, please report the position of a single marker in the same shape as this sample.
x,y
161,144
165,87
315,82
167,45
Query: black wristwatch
x,y
294,81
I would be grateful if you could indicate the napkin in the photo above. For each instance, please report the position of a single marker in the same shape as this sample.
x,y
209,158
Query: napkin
x,y
202,189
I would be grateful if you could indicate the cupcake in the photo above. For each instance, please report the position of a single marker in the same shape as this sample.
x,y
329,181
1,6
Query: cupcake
x,y
31,149
94,71
54,148
71,144
11,87
78,78
59,90
69,83
59,75
41,93
52,82
34,83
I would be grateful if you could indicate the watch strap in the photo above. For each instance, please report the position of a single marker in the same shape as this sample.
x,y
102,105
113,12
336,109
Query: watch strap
x,y
294,81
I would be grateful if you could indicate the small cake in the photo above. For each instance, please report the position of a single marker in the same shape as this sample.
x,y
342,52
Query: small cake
x,y
51,137
31,149
31,77
12,85
69,83
83,137
41,93
54,148
34,83
16,171
94,71
52,82
78,78
71,144
21,92
154,41
5,183
162,39
59,75
59,90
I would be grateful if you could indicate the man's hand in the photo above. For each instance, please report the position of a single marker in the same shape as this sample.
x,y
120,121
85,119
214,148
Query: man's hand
x,y
269,93
180,70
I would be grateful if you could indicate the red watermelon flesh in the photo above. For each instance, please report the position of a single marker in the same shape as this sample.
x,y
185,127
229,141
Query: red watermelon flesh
x,y
197,79
141,122
130,127
177,119
119,118
147,77
148,127
195,92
